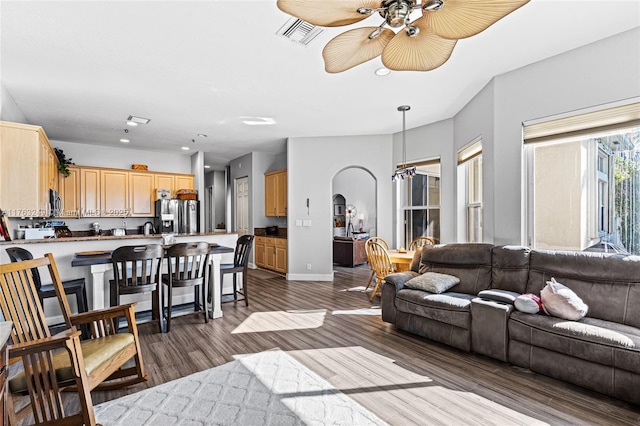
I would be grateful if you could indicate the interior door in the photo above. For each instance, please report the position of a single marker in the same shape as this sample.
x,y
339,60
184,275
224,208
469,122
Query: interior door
x,y
242,206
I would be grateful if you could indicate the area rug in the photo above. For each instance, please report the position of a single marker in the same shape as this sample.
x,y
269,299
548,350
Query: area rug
x,y
267,388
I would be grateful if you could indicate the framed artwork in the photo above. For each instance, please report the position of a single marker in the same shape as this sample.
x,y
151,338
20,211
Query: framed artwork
x,y
338,210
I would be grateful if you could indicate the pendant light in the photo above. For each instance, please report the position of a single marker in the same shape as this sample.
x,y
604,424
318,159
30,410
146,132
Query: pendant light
x,y
403,171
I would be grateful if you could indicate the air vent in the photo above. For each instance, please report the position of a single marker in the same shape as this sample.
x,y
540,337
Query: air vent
x,y
299,31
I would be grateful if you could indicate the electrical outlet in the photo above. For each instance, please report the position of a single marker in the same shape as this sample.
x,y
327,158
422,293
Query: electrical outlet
x,y
308,266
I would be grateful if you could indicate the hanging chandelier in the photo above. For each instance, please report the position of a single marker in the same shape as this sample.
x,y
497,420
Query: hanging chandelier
x,y
403,170
407,41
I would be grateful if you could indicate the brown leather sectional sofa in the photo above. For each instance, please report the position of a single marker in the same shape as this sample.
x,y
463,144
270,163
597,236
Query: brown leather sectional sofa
x,y
600,352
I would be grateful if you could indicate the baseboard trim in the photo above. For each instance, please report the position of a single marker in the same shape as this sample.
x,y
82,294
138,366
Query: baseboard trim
x,y
310,277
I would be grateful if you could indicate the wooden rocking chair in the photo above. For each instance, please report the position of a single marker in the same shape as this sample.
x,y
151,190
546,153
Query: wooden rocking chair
x,y
63,362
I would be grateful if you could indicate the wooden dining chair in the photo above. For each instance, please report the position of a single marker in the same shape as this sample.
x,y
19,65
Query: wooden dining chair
x,y
136,270
421,242
381,263
75,287
188,266
239,266
366,248
51,364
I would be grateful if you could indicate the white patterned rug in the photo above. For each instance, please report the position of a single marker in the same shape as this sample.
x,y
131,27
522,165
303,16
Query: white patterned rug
x,y
267,388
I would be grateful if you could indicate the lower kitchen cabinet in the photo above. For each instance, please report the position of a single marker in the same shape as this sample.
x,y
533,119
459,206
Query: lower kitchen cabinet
x,y
271,253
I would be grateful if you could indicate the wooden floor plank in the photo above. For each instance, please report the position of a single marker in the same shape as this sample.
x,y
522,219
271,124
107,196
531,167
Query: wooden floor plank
x,y
333,329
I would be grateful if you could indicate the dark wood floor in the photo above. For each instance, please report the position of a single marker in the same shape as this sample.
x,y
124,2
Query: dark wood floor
x,y
333,329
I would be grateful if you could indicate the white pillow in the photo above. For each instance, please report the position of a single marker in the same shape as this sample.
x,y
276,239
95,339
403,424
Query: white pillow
x,y
560,301
528,303
432,282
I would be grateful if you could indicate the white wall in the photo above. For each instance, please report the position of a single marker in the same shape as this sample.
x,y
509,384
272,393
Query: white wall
x,y
426,142
358,187
123,158
312,164
9,110
600,73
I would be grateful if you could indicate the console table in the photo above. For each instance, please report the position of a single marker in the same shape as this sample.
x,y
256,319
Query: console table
x,y
349,251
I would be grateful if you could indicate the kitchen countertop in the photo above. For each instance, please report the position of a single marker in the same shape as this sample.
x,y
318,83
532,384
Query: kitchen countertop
x,y
105,238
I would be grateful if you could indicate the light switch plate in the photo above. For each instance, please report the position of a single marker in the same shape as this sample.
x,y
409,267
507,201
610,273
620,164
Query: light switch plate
x,y
298,222
306,223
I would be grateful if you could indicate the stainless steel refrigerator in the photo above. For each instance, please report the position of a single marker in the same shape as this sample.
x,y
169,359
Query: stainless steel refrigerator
x,y
178,216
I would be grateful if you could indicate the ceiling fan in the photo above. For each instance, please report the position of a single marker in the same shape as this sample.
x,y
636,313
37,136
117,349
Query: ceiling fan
x,y
426,42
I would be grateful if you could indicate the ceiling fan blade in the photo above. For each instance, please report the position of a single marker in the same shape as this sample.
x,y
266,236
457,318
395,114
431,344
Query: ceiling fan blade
x,y
465,18
422,52
334,13
354,47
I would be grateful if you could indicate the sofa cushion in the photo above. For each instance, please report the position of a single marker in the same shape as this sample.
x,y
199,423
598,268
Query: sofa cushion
x,y
432,282
608,283
450,308
471,262
591,339
560,301
510,268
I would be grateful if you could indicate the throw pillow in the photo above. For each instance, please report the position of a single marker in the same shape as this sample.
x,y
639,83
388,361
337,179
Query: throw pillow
x,y
502,296
560,301
415,262
528,303
432,282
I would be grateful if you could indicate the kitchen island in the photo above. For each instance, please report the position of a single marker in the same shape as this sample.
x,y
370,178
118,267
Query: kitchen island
x,y
97,276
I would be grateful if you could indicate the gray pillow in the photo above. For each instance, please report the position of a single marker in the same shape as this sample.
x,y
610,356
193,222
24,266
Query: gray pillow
x,y
432,282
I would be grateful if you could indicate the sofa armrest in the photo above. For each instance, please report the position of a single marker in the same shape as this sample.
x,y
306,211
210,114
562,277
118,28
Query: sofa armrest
x,y
393,283
399,279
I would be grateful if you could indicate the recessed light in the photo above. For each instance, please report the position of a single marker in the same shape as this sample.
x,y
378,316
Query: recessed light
x,y
206,166
258,121
202,135
125,140
131,123
138,120
383,71
185,148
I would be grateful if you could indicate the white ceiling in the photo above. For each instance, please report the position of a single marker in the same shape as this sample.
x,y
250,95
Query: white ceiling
x,y
80,68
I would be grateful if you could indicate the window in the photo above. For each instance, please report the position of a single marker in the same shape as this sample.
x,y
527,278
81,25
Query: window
x,y
470,193
583,182
420,202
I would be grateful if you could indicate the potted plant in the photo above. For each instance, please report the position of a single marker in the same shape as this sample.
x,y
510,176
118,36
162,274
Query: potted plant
x,y
63,162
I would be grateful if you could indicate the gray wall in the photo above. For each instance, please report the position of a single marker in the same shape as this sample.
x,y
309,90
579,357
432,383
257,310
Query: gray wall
x,y
312,165
358,187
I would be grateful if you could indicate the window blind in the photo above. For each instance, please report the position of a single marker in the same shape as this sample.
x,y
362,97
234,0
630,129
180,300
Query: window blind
x,y
583,124
469,152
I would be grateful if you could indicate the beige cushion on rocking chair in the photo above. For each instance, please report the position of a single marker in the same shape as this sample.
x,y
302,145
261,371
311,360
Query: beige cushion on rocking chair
x,y
95,353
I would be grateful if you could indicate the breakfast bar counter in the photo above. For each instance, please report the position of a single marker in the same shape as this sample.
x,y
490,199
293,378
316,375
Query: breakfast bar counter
x,y
97,276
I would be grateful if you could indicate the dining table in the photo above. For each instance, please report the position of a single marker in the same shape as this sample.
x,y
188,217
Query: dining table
x,y
100,262
401,259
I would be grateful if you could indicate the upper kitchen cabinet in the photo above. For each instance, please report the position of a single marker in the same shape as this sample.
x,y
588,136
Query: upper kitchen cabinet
x,y
173,182
114,193
28,170
69,188
275,193
90,192
141,194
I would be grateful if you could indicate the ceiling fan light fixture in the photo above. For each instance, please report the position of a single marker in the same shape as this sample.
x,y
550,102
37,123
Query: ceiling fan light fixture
x,y
412,31
397,13
366,11
432,5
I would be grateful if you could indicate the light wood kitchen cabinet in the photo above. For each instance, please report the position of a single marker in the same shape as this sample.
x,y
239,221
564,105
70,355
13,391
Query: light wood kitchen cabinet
x,y
28,170
141,194
173,182
271,253
114,193
259,250
275,193
69,189
281,255
90,192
